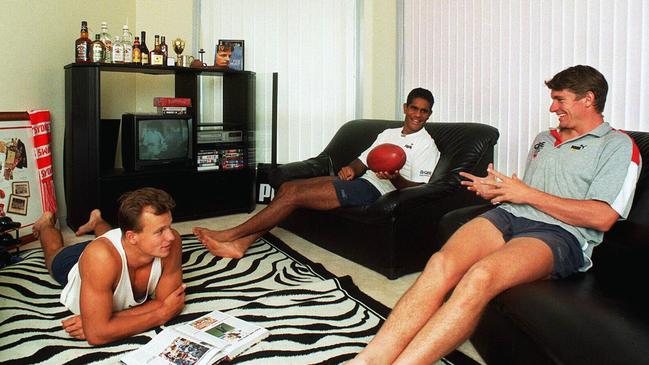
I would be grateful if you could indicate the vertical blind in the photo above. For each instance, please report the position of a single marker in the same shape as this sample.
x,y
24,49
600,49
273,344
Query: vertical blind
x,y
312,46
486,61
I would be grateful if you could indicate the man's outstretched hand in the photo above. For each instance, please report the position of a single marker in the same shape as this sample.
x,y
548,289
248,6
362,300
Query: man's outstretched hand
x,y
498,188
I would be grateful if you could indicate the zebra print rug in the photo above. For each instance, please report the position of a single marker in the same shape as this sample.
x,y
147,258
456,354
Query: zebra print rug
x,y
313,316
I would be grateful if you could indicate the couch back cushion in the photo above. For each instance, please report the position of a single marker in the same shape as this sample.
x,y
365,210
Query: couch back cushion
x,y
461,145
635,229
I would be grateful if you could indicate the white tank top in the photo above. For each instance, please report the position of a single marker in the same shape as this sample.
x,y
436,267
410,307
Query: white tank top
x,y
123,295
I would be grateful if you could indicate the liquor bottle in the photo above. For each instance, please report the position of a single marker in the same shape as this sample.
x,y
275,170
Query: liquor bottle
x,y
98,50
107,39
164,49
144,49
127,43
118,50
137,52
83,45
156,56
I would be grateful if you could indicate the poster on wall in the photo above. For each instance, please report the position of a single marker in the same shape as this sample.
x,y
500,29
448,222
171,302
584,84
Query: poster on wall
x,y
26,183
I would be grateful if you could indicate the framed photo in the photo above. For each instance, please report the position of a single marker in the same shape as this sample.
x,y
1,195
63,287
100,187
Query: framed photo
x,y
230,54
18,204
20,188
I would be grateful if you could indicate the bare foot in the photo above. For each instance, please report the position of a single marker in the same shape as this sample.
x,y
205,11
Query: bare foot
x,y
89,227
45,220
233,249
205,233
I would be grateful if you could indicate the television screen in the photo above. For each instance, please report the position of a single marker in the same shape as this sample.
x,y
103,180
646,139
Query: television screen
x,y
163,139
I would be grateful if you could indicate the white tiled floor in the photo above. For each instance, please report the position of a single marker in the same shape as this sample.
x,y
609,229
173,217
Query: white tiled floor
x,y
375,285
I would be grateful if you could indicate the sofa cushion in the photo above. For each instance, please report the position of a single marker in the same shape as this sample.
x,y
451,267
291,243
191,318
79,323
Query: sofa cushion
x,y
579,320
635,229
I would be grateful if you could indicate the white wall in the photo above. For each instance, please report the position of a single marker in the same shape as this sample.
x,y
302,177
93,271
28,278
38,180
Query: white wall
x,y
378,79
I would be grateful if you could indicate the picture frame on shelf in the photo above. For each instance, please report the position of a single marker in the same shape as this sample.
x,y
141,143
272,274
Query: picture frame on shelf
x,y
20,188
18,204
229,54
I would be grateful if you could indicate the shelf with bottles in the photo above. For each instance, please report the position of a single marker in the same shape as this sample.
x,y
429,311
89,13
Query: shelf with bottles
x,y
154,70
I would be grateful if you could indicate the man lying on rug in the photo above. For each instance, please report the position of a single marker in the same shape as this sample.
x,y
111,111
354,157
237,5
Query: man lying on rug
x,y
119,269
354,185
579,180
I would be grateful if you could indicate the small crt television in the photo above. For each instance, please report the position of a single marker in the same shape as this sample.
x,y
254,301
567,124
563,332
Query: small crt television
x,y
153,141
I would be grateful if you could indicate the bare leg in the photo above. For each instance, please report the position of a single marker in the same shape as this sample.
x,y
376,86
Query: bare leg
x,y
317,193
468,245
522,260
420,330
233,249
96,224
50,236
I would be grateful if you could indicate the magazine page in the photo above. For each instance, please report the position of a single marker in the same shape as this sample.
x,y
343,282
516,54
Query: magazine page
x,y
224,331
173,347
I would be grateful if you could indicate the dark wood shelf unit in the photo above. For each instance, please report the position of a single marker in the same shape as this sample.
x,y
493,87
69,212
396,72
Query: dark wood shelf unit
x,y
198,194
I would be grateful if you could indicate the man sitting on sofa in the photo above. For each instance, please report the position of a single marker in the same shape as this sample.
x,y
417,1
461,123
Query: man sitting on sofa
x,y
107,281
579,180
346,189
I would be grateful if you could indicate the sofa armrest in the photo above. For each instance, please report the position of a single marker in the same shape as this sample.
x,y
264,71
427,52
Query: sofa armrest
x,y
316,166
440,195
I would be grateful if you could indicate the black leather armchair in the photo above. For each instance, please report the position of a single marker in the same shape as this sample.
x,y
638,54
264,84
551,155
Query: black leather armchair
x,y
597,317
396,234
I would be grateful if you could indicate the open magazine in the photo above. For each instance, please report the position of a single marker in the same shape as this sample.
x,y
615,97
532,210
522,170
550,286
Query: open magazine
x,y
209,339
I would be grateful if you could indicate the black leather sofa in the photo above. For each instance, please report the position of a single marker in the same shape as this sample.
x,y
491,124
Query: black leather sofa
x,y
396,234
597,317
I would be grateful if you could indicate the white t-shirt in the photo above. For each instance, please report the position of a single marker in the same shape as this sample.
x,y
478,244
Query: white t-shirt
x,y
421,157
123,295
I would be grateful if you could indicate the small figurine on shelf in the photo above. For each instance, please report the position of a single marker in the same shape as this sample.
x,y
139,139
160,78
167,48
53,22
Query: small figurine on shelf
x,y
179,47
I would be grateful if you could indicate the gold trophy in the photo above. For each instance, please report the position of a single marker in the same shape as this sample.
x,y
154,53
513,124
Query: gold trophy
x,y
179,47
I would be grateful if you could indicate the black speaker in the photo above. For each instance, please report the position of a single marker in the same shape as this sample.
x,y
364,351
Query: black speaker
x,y
108,133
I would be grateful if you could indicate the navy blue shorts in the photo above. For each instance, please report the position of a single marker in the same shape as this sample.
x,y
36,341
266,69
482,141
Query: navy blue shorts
x,y
355,192
568,257
65,260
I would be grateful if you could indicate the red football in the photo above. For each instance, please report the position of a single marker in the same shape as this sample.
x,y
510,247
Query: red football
x,y
386,157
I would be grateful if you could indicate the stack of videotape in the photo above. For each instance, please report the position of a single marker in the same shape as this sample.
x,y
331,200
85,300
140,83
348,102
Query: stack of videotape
x,y
175,110
208,160
232,159
169,105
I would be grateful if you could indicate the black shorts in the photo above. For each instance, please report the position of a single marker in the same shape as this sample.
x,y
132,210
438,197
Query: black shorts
x,y
355,192
567,253
65,260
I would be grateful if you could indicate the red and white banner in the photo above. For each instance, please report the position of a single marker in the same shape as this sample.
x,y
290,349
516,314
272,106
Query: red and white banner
x,y
41,132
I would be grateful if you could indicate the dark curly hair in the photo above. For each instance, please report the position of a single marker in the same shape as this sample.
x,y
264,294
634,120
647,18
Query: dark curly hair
x,y
421,93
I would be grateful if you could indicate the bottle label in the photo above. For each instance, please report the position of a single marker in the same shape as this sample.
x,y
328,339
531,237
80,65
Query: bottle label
x,y
137,55
157,59
82,52
118,55
128,53
97,53
145,58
